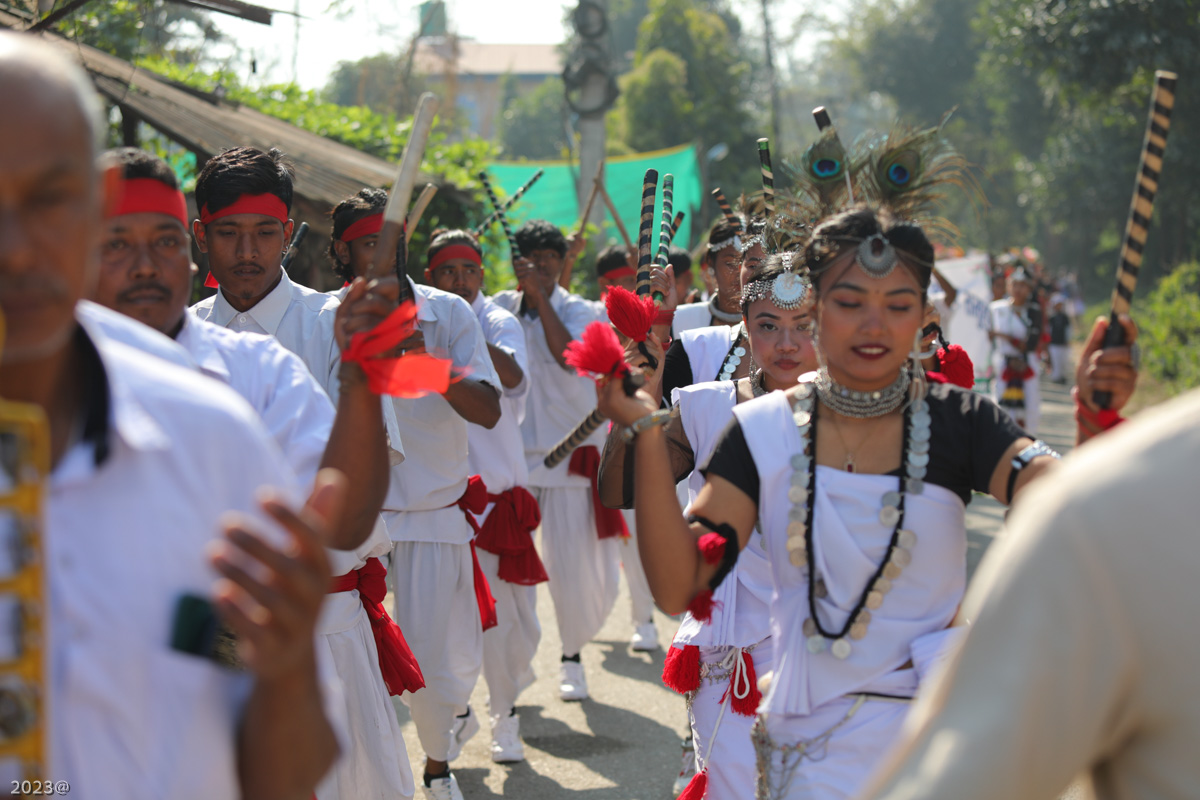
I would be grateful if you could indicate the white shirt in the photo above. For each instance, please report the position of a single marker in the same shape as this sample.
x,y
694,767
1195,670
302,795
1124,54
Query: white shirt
x,y
299,317
690,316
124,541
435,471
497,455
558,398
115,326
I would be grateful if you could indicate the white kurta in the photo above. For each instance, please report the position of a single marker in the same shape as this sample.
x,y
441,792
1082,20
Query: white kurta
x,y
690,316
1005,318
706,349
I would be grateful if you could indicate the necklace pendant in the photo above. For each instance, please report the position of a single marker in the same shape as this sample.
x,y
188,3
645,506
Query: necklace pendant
x,y
849,464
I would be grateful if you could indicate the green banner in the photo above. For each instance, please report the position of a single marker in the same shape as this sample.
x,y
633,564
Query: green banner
x,y
554,196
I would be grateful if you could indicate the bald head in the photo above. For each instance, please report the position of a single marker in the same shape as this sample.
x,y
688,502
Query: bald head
x,y
50,199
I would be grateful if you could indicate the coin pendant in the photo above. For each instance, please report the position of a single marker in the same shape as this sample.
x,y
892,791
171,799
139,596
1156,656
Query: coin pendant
x,y
820,589
809,627
798,494
891,571
891,498
858,631
901,558
815,644
906,539
739,351
914,485
883,585
840,649
795,529
874,600
798,558
801,417
889,515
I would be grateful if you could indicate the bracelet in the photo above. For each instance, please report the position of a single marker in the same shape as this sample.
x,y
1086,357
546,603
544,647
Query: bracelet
x,y
664,317
1103,420
651,420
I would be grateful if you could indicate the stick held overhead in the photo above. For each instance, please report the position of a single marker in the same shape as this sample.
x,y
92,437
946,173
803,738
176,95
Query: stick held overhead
x,y
396,211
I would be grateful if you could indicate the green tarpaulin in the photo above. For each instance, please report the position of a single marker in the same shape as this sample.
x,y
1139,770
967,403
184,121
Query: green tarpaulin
x,y
554,196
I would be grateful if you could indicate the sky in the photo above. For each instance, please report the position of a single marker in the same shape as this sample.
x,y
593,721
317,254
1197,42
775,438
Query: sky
x,y
366,27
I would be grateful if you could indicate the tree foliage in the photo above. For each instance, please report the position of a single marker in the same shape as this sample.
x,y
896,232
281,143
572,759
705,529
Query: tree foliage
x,y
533,125
131,29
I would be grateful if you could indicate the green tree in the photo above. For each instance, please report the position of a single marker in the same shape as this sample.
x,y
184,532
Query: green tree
x,y
532,125
382,82
130,29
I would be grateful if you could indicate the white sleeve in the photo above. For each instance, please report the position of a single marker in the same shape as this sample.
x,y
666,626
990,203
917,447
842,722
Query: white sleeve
x,y
468,347
298,414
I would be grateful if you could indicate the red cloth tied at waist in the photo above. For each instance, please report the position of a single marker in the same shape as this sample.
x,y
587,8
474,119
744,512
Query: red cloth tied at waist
x,y
508,532
585,461
399,666
474,501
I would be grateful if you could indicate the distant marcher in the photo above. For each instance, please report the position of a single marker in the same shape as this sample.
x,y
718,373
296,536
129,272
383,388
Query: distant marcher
x,y
1060,339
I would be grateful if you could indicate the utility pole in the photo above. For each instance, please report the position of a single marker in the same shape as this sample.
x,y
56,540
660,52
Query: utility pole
x,y
591,92
772,79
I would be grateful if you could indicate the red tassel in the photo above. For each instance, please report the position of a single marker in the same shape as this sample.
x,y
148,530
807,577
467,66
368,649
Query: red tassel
x,y
630,314
697,788
746,706
681,672
702,605
957,366
597,353
712,548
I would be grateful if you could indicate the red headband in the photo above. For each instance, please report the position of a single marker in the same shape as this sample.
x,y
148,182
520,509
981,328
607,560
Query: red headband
x,y
364,227
620,272
266,204
139,195
463,251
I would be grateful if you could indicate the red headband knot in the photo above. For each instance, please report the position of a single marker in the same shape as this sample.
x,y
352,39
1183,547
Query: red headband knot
x,y
266,204
150,195
463,251
364,227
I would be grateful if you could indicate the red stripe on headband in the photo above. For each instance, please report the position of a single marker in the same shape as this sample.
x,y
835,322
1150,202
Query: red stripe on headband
x,y
148,195
620,272
266,204
463,251
364,227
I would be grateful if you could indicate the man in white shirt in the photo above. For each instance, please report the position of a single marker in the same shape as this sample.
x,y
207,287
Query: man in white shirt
x,y
1015,329
454,263
583,567
427,508
146,272
136,710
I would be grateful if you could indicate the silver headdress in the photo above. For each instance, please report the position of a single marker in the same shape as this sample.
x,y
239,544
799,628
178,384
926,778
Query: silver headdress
x,y
788,290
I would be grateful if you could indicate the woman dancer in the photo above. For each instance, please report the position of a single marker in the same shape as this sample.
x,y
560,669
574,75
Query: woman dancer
x,y
714,662
858,477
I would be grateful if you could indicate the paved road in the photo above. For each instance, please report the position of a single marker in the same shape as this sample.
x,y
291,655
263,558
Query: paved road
x,y
623,743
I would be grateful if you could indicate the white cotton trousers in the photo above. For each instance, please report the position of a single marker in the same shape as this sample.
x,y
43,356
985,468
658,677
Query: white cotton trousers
x,y
375,764
434,585
508,648
584,570
641,601
729,756
1060,358
837,769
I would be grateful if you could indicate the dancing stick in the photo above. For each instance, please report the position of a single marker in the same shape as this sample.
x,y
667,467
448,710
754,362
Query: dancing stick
x,y
491,193
726,210
675,226
649,188
388,251
591,201
768,176
294,246
418,209
1140,211
665,232
587,427
608,203
509,203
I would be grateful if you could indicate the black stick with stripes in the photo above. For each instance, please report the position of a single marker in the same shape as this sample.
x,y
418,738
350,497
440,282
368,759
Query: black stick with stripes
x,y
675,223
768,176
646,226
491,193
1140,211
726,210
630,383
509,203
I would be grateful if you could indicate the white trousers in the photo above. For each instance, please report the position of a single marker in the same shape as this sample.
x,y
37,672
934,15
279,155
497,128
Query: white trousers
x,y
1060,357
436,608
641,602
837,768
729,756
584,570
508,648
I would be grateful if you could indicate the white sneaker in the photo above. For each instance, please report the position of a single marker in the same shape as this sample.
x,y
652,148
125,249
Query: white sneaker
x,y
506,739
571,683
442,789
645,638
687,769
462,730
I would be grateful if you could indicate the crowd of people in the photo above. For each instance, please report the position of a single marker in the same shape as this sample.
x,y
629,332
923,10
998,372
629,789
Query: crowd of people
x,y
232,490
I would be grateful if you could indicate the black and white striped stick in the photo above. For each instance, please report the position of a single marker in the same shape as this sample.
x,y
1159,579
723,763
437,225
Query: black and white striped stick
x,y
583,430
726,209
665,232
645,256
1140,210
509,203
499,212
768,175
675,223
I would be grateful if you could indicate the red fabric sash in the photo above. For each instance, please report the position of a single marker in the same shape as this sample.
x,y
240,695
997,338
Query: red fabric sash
x,y
507,532
585,461
399,666
474,501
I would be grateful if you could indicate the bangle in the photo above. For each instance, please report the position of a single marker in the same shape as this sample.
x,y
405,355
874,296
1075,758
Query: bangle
x,y
651,420
664,317
1102,420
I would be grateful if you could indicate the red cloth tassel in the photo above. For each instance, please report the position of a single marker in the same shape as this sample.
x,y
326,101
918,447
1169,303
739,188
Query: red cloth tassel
x,y
508,532
210,282
956,366
474,501
712,548
630,314
746,706
697,787
681,671
610,522
597,353
414,375
399,666
702,605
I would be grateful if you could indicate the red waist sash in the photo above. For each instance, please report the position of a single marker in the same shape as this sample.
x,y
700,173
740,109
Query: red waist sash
x,y
399,666
474,501
507,532
585,461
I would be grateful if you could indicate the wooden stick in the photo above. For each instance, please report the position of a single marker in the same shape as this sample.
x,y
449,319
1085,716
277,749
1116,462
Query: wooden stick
x,y
588,426
396,210
508,232
1140,210
768,175
591,201
294,246
418,209
726,210
649,190
608,203
509,203
675,225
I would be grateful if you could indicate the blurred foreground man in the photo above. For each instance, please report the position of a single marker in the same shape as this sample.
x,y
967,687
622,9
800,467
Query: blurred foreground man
x,y
141,475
